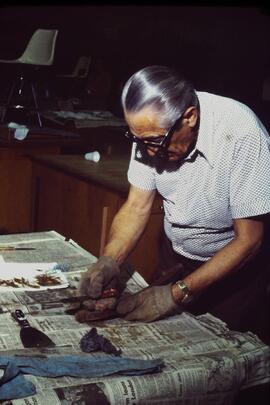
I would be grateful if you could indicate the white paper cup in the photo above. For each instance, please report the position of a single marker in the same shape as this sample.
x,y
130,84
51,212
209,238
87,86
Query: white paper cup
x,y
93,156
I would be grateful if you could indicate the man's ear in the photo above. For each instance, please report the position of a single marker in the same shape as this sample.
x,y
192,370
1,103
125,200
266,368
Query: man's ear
x,y
190,116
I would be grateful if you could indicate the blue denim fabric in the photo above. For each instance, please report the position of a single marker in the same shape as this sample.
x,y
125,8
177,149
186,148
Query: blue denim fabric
x,y
14,385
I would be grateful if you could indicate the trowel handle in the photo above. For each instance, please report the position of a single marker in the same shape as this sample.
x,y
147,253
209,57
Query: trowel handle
x,y
20,318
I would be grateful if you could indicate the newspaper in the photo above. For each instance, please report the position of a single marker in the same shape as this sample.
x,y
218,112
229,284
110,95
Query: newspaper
x,y
205,362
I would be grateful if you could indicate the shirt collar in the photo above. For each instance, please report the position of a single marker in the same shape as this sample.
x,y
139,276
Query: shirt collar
x,y
205,141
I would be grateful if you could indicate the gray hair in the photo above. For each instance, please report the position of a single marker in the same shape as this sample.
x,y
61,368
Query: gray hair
x,y
161,88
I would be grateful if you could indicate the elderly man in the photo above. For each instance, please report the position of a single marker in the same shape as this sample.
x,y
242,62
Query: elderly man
x,y
208,156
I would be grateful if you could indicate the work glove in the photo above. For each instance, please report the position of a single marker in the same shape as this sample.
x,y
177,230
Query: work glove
x,y
149,305
100,275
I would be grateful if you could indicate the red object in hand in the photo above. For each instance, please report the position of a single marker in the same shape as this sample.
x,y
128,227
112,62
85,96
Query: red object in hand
x,y
109,293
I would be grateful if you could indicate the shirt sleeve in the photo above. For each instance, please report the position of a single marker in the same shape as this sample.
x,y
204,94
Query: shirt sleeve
x,y
140,174
250,175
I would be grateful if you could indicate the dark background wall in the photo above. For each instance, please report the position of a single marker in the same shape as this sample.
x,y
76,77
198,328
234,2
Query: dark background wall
x,y
221,49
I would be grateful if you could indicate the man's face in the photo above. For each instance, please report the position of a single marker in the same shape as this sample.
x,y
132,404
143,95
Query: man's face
x,y
145,126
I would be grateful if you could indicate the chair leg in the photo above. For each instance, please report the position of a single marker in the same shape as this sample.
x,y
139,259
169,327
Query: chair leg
x,y
36,104
21,85
20,91
3,113
4,110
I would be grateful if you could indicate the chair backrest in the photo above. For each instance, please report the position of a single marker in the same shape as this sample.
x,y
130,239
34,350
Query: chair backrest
x,y
82,67
40,49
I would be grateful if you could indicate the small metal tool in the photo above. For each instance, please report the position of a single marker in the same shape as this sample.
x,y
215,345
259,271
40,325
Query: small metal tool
x,y
108,293
31,337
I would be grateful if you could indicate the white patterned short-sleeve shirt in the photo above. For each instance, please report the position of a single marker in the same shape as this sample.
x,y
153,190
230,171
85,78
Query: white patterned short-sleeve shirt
x,y
227,178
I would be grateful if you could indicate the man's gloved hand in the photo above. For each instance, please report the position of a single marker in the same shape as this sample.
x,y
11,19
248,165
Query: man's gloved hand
x,y
98,276
149,305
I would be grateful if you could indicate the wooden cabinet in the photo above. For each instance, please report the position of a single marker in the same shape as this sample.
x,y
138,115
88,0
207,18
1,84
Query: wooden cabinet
x,y
15,185
16,175
79,199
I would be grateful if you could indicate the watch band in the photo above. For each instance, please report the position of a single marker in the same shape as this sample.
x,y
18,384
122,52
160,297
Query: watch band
x,y
187,296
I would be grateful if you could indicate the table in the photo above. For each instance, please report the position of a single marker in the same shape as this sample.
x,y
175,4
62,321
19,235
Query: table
x,y
205,362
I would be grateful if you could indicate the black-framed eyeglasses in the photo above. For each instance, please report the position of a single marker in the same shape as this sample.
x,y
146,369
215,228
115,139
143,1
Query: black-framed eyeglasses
x,y
157,141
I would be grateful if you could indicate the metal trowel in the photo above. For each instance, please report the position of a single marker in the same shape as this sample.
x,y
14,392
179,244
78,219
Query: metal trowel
x,y
31,337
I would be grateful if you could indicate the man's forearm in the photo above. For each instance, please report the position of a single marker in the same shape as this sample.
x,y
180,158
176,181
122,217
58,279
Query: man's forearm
x,y
126,229
229,259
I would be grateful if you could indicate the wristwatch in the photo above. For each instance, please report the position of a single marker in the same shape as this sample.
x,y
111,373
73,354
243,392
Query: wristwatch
x,y
187,296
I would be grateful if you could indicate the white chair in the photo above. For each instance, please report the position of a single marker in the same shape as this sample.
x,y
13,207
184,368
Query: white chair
x,y
71,84
39,53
